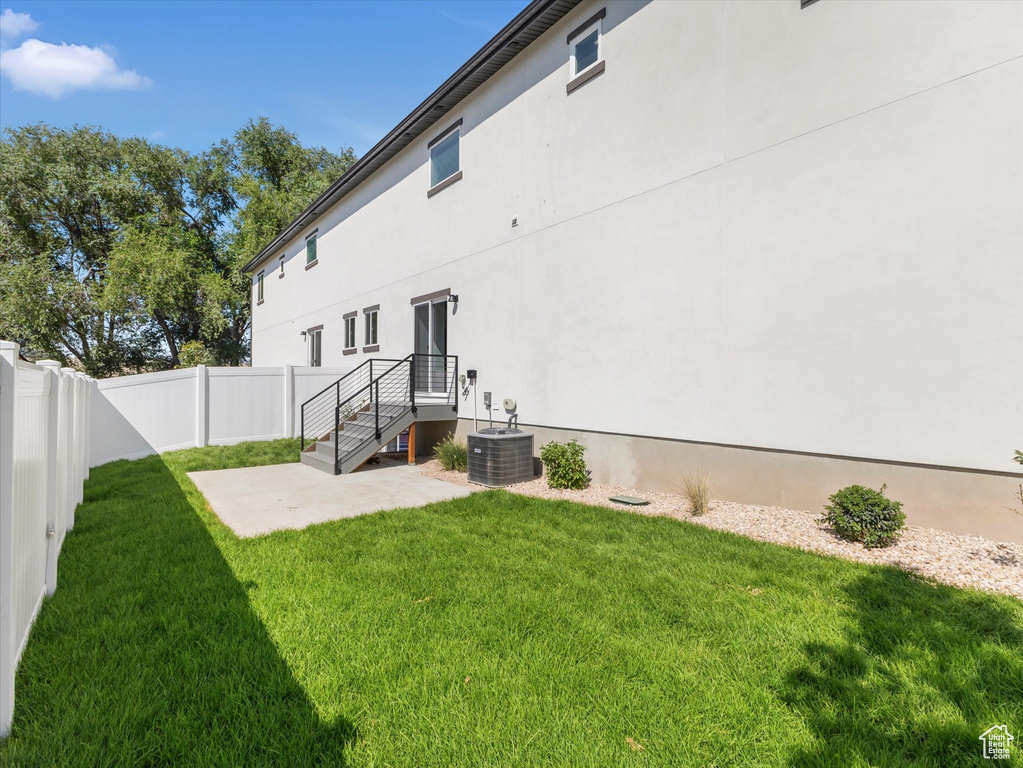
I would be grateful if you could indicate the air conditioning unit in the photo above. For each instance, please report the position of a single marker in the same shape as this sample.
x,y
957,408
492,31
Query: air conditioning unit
x,y
500,457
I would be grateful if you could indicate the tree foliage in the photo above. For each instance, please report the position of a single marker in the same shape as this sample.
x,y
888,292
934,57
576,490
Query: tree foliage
x,y
277,178
116,253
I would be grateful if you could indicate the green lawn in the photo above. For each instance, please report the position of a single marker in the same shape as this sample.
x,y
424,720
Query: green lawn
x,y
494,630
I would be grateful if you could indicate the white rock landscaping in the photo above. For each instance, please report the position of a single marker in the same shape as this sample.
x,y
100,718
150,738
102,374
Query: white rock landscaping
x,y
962,561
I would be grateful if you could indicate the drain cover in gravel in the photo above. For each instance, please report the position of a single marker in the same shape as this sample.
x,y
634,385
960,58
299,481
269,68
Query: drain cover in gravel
x,y
634,501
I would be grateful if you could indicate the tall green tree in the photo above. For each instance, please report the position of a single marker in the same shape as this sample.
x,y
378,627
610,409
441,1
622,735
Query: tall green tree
x,y
64,195
116,253
274,179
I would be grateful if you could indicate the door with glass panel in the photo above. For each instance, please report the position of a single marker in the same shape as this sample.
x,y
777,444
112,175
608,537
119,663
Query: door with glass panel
x,y
431,345
315,343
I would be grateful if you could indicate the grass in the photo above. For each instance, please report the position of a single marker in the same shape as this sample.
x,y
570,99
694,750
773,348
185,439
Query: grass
x,y
697,491
485,631
452,454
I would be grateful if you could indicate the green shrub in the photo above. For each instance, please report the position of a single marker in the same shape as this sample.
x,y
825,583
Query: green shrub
x,y
863,514
193,353
564,465
452,454
697,490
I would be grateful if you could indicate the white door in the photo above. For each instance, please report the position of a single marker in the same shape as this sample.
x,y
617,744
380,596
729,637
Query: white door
x,y
315,347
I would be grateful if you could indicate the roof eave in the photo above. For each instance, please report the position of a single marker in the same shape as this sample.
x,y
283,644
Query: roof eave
x,y
422,117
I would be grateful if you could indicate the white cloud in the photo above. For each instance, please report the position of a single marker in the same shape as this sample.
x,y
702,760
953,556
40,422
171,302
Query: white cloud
x,y
53,69
14,25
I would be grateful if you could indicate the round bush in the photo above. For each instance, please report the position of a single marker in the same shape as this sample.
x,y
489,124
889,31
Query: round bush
x,y
863,514
564,465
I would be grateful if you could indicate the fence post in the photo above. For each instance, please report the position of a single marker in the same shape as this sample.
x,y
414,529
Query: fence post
x,y
79,437
89,386
202,411
289,401
52,457
67,377
8,397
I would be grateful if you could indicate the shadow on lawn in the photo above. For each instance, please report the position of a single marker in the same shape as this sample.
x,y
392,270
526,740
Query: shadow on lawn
x,y
923,672
149,653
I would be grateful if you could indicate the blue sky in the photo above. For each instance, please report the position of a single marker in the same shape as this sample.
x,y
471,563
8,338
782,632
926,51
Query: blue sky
x,y
190,73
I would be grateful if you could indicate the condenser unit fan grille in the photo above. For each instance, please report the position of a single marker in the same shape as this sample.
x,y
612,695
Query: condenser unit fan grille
x,y
499,457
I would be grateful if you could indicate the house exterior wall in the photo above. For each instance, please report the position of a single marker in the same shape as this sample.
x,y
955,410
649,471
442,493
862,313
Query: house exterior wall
x,y
762,227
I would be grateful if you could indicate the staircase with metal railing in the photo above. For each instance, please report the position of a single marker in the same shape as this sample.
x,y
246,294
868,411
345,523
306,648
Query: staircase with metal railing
x,y
346,423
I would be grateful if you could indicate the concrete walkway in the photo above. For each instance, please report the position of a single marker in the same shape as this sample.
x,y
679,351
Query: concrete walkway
x,y
257,500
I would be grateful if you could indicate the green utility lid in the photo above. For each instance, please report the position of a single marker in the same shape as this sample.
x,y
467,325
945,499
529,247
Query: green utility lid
x,y
634,501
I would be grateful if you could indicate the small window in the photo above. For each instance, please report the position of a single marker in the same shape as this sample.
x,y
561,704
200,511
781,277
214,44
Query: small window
x,y
259,288
586,50
350,333
280,265
310,249
371,327
444,158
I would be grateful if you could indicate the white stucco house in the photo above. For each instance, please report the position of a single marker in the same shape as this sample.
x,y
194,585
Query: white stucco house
x,y
778,242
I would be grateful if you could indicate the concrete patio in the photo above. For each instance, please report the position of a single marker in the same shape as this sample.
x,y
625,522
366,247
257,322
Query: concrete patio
x,y
257,500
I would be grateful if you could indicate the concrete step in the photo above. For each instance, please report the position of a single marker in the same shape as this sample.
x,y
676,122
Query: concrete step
x,y
318,461
353,458
356,440
354,433
326,447
356,429
386,409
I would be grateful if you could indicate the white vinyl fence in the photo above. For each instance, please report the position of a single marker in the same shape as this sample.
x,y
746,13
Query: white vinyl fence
x,y
44,460
56,423
149,413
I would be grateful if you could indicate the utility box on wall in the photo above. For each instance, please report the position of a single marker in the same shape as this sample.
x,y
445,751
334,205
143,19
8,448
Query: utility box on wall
x,y
499,457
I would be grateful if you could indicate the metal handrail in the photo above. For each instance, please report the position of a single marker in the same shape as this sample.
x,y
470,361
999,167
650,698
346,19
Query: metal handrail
x,y
319,411
406,385
354,370
333,384
370,384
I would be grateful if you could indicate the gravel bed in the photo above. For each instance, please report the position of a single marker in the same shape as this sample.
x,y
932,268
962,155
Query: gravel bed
x,y
962,561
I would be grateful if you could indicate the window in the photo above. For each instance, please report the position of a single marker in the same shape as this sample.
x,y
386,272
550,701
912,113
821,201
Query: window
x,y
310,249
444,158
371,326
280,265
350,332
585,51
259,288
315,343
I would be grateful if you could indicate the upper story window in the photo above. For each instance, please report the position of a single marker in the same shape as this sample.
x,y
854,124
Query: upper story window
x,y
259,288
310,249
444,161
280,265
586,50
586,55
